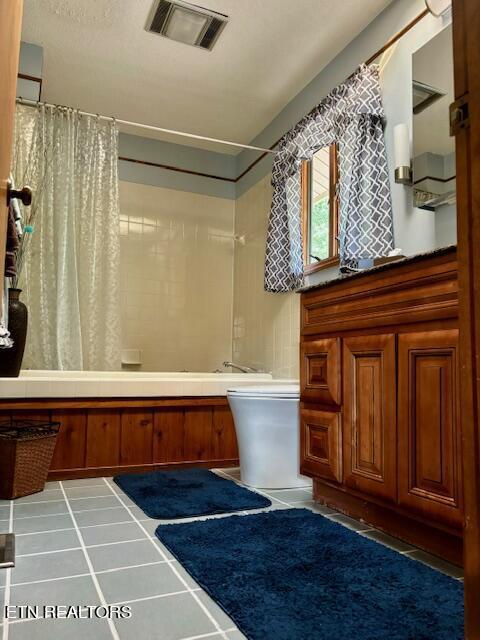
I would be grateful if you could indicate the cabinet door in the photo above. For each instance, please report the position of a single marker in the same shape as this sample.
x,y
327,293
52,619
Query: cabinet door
x,y
429,454
369,421
321,444
320,371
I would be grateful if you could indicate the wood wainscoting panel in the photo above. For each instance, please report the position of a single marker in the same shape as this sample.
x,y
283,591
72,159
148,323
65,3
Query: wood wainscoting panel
x,y
369,420
198,436
224,441
136,436
320,371
429,444
103,438
321,444
71,440
168,435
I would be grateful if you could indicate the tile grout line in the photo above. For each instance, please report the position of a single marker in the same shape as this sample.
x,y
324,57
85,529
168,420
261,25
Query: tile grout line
x,y
157,597
22,504
66,513
43,515
75,575
212,634
239,482
8,577
38,533
164,556
163,595
89,546
87,526
134,566
82,575
89,564
45,553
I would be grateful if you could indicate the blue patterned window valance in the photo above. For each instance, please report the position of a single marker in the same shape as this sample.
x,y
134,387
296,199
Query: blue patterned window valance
x,y
352,116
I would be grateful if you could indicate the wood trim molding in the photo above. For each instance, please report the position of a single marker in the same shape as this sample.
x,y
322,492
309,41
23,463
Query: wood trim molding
x,y
397,36
444,543
22,404
96,472
333,259
177,169
25,76
466,30
39,81
434,179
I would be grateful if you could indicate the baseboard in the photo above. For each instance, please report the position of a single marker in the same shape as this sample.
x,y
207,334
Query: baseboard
x,y
97,472
447,545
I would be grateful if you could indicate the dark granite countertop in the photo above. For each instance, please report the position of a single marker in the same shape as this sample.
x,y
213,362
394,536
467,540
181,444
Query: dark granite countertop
x,y
381,267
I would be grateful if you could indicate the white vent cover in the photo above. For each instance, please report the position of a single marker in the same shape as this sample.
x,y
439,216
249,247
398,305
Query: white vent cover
x,y
186,23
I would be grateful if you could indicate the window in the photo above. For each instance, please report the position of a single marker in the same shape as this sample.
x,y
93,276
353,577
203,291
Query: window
x,y
320,210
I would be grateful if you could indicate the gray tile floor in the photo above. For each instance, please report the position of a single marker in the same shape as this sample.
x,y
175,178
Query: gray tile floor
x,y
84,542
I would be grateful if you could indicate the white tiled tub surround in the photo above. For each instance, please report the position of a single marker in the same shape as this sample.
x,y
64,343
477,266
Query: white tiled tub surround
x,y
176,277
266,326
119,384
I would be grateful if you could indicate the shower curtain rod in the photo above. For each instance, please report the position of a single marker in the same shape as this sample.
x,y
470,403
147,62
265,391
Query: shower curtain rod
x,y
149,127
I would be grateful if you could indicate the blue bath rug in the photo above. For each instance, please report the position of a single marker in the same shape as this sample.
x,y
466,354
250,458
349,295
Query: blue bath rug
x,y
294,575
167,495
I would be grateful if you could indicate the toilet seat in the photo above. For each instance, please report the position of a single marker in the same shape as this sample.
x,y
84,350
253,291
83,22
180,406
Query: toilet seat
x,y
291,391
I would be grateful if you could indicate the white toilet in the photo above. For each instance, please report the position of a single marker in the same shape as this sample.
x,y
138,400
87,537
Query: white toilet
x,y
267,426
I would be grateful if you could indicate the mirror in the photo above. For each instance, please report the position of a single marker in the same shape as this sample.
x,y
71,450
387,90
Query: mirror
x,y
433,147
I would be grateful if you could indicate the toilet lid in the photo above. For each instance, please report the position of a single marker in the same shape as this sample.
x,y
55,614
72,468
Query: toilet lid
x,y
267,391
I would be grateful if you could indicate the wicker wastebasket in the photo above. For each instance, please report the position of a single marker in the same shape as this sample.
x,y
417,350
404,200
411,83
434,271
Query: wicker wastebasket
x,y
26,450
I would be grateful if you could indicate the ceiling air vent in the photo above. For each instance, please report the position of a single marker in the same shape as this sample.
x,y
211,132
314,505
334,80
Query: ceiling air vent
x,y
186,23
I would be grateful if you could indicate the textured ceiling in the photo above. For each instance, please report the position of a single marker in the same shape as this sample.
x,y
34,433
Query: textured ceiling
x,y
98,57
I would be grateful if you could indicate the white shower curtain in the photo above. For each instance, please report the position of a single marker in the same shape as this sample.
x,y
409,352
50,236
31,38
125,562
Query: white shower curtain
x,y
71,270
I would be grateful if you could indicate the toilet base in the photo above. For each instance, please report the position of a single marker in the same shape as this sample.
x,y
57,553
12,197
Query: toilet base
x,y
301,483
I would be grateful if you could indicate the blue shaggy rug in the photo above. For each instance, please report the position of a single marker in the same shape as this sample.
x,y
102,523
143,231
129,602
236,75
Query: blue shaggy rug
x,y
167,495
294,575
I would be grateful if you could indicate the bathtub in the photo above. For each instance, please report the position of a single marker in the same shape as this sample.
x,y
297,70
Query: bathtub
x,y
122,384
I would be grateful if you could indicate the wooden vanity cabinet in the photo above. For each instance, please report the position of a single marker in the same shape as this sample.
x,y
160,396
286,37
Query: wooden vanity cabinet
x,y
321,444
379,423
320,362
429,447
369,415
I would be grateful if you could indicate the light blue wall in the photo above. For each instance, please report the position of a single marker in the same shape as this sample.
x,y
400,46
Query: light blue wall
x,y
147,149
30,64
370,40
414,229
176,155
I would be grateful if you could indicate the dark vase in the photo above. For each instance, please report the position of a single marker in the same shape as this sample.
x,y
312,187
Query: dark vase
x,y
11,359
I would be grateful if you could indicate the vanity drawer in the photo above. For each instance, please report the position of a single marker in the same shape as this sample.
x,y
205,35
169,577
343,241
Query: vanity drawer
x,y
321,444
320,371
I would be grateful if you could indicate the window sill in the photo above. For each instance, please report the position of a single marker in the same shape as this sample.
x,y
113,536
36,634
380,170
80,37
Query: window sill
x,y
333,261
